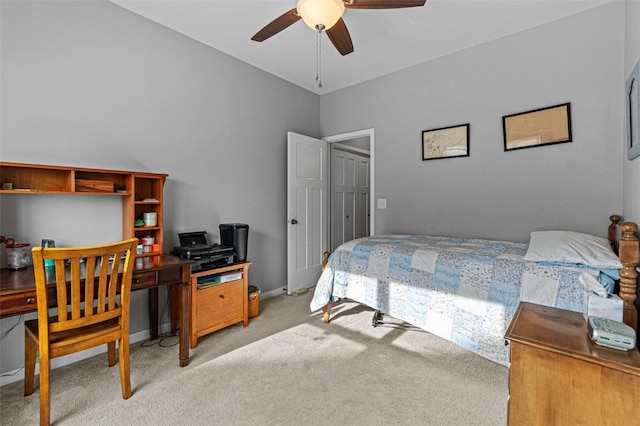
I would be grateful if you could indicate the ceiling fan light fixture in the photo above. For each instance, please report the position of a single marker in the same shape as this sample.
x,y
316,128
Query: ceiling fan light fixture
x,y
320,14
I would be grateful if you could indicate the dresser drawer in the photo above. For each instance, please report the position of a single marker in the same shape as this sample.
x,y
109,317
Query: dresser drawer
x,y
220,305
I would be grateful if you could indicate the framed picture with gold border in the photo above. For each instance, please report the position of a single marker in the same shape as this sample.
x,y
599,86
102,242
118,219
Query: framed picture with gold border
x,y
543,126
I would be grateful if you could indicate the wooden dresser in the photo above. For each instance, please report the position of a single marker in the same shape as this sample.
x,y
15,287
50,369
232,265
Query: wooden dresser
x,y
558,376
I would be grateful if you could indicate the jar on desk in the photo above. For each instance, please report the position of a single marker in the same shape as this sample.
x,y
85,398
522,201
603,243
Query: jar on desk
x,y
18,256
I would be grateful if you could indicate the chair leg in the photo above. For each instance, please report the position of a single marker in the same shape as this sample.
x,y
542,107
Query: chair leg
x,y
45,401
30,352
123,359
111,351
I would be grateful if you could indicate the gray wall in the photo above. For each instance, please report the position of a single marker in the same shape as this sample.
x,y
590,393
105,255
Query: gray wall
x,y
631,169
492,193
91,84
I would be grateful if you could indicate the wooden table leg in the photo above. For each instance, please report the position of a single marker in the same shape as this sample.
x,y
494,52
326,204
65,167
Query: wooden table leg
x,y
175,307
153,312
184,315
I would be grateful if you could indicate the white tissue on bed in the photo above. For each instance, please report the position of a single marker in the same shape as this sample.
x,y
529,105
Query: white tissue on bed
x,y
591,283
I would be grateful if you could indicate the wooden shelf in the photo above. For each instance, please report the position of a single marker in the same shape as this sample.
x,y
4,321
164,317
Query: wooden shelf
x,y
146,228
40,192
141,192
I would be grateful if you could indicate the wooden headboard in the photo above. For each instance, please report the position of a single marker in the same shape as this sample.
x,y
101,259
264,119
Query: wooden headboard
x,y
627,248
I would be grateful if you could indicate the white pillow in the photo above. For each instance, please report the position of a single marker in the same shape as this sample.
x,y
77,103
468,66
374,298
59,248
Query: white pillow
x,y
571,247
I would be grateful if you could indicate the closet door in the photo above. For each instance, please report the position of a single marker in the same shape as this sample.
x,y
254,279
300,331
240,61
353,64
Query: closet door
x,y
350,196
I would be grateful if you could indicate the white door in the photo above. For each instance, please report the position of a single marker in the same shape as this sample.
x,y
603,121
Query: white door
x,y
350,196
307,220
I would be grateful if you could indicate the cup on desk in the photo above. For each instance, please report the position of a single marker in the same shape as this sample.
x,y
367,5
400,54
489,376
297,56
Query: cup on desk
x,y
150,219
48,243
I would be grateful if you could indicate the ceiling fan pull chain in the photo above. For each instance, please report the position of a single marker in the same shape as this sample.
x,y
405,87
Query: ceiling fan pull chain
x,y
319,57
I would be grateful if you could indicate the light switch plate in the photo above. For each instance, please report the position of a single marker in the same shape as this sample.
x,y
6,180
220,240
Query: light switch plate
x,y
382,203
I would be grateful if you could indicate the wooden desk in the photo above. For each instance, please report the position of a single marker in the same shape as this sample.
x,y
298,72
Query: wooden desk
x,y
18,293
558,376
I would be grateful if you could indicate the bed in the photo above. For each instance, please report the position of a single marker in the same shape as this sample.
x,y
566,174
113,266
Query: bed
x,y
467,290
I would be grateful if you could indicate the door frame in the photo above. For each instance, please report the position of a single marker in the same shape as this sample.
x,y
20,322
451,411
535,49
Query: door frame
x,y
372,199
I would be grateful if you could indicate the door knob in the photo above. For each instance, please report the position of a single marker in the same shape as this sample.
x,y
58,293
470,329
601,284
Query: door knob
x,y
293,221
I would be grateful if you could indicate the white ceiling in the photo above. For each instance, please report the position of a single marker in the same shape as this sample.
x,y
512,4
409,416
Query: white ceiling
x,y
384,40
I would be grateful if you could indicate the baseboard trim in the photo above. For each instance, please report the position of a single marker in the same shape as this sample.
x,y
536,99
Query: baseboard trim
x,y
16,375
273,293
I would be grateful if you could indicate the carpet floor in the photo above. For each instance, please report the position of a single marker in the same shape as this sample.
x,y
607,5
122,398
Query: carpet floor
x,y
286,368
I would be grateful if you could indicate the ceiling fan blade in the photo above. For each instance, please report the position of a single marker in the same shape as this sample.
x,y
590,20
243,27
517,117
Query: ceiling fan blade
x,y
340,37
382,4
277,25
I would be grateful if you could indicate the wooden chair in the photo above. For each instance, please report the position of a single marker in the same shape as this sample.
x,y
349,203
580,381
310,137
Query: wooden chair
x,y
88,313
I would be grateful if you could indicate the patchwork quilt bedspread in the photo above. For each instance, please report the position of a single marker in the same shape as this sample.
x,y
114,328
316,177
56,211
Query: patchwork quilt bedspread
x,y
463,290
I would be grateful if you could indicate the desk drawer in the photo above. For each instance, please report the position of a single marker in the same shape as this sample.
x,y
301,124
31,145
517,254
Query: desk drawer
x,y
143,279
169,276
19,303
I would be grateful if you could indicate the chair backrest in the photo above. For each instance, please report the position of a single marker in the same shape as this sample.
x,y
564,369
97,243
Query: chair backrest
x,y
79,276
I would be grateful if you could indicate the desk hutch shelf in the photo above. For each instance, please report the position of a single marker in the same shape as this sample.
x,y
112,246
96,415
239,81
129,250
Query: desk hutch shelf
x,y
141,192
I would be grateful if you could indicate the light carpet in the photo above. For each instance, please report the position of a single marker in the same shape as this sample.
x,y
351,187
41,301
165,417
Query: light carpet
x,y
286,368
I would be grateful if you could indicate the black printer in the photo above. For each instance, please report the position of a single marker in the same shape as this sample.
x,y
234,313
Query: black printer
x,y
193,246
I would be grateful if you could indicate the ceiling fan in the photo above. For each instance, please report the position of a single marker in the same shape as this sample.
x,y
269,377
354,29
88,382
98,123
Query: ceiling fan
x,y
326,16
